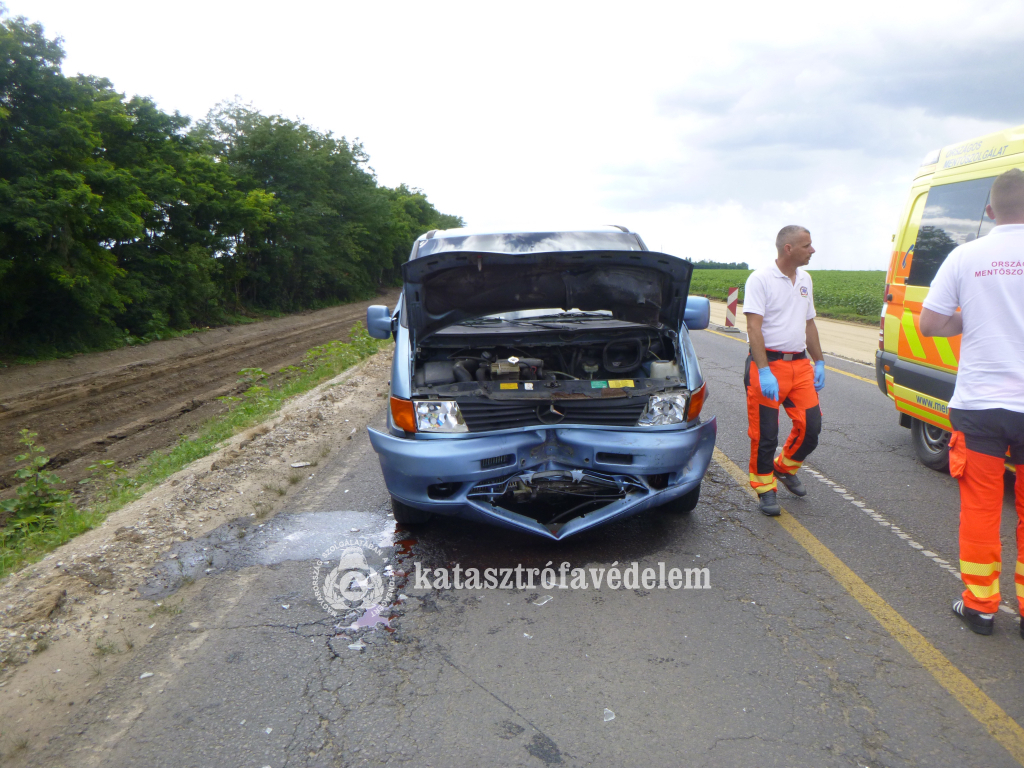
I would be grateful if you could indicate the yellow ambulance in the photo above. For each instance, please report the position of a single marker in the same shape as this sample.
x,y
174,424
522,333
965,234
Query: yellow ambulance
x,y
946,208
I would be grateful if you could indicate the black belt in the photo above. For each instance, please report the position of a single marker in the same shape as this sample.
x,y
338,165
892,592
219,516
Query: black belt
x,y
773,355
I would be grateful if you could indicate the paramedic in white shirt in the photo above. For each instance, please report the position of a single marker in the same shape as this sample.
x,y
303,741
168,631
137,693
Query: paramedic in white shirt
x,y
984,278
785,366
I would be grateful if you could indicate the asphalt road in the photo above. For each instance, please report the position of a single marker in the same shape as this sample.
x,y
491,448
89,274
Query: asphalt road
x,y
777,664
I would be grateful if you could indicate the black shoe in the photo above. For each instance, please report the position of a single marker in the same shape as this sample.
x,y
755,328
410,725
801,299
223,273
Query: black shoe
x,y
769,504
979,622
792,483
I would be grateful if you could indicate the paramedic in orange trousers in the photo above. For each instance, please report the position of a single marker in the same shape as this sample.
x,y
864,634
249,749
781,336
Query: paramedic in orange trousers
x,y
778,302
985,279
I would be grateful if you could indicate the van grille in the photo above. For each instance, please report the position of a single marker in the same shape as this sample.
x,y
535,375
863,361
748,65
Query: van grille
x,y
484,415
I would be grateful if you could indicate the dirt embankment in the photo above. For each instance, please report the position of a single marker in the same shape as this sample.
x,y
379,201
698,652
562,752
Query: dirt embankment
x,y
124,404
70,621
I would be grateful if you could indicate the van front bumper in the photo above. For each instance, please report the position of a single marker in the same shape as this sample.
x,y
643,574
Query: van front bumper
x,y
437,474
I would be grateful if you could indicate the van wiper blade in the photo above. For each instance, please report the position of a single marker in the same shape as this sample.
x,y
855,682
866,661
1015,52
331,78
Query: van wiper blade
x,y
577,317
526,323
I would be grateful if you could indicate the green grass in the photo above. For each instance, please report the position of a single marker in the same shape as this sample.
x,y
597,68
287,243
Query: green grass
x,y
255,405
842,294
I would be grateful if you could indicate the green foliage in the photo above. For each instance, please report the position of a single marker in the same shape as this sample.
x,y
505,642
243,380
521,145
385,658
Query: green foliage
x,y
720,265
121,223
715,284
39,500
846,295
41,514
107,480
252,375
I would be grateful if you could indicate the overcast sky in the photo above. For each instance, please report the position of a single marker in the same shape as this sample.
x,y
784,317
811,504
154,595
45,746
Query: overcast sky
x,y
704,128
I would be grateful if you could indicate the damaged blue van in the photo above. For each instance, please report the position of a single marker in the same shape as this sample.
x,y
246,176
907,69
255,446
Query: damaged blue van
x,y
543,381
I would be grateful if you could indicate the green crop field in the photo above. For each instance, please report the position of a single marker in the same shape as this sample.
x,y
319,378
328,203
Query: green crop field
x,y
845,295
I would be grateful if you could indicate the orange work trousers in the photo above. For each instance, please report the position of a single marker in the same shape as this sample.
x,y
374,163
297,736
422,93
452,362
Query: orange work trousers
x,y
977,459
798,396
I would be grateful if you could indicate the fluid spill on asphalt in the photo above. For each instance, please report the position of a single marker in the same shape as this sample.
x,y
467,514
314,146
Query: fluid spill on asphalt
x,y
444,541
243,543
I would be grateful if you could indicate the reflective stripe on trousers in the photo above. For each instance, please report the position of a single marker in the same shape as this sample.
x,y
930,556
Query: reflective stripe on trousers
x,y
981,504
798,397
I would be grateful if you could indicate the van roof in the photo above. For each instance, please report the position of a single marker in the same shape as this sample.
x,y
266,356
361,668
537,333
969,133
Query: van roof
x,y
991,147
465,231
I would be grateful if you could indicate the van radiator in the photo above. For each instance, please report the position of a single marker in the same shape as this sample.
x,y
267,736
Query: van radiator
x,y
482,415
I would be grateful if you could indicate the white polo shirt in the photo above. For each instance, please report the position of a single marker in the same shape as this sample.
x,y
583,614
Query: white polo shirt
x,y
786,307
985,278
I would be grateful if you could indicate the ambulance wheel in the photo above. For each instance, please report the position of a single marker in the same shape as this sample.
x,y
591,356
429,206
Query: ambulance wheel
x,y
407,515
685,503
931,444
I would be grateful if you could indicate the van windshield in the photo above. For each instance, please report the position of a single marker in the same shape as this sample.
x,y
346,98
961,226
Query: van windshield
x,y
954,214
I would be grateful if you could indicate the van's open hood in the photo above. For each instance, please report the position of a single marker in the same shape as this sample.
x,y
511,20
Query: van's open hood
x,y
638,286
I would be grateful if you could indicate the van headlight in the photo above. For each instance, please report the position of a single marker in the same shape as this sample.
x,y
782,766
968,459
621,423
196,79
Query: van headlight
x,y
667,408
439,416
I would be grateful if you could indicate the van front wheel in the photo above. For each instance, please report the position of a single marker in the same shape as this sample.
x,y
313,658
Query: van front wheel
x,y
931,444
685,503
407,515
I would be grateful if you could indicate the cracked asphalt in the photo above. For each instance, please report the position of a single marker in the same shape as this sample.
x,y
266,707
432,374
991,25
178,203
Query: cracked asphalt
x,y
774,665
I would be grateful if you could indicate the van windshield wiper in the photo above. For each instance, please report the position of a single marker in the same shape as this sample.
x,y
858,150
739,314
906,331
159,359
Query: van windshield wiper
x,y
523,322
577,317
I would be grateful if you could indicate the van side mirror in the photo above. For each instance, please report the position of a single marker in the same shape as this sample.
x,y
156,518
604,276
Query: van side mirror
x,y
378,321
697,315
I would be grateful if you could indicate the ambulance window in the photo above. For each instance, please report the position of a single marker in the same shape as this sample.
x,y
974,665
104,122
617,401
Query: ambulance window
x,y
952,216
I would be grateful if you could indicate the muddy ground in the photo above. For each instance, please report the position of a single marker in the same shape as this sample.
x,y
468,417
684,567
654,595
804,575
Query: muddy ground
x,y
124,404
70,621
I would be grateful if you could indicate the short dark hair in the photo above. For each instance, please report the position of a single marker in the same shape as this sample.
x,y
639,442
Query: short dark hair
x,y
1007,196
787,233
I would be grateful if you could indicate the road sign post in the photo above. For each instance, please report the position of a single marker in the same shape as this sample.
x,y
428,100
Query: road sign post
x,y
730,309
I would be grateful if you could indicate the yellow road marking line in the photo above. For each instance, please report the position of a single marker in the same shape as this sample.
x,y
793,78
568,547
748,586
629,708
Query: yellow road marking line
x,y
851,375
827,367
726,336
1000,725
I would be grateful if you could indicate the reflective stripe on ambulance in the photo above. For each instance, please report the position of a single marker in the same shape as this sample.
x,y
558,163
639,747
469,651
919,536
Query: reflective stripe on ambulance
x,y
922,406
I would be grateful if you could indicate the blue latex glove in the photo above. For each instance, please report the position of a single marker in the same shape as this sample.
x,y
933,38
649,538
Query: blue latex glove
x,y
819,375
769,384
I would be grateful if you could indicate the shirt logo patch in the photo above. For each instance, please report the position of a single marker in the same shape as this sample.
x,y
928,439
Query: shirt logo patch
x,y
803,291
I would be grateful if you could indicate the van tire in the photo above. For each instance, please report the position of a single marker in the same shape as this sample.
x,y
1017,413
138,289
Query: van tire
x,y
931,445
685,503
407,515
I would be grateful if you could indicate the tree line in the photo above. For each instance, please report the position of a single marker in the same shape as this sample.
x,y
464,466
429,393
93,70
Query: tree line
x,y
118,219
707,264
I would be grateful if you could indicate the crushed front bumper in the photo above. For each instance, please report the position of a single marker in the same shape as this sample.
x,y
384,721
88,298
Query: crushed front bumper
x,y
440,475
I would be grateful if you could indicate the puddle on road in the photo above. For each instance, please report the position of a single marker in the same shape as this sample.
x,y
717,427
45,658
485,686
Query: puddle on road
x,y
243,543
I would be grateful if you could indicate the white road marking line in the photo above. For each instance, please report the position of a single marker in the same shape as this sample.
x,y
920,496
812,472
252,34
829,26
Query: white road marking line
x,y
848,360
881,520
